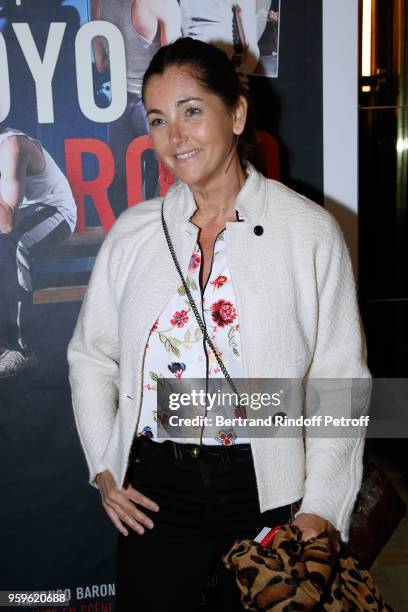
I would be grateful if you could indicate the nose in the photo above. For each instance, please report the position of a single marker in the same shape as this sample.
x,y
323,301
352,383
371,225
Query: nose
x,y
177,134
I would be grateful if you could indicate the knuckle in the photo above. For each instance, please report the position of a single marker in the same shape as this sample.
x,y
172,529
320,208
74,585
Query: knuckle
x,y
137,522
114,494
137,495
110,498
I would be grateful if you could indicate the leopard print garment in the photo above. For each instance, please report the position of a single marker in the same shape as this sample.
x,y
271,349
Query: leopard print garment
x,y
320,574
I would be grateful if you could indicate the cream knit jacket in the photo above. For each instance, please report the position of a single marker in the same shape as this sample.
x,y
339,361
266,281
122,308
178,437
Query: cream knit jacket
x,y
298,318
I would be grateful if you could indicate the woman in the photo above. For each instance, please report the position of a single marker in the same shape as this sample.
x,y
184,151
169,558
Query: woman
x,y
278,282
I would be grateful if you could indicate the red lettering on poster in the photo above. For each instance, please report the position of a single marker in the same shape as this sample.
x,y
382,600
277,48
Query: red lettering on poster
x,y
96,188
134,169
134,174
97,607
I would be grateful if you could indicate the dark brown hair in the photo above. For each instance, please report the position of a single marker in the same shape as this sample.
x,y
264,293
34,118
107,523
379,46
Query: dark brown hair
x,y
216,73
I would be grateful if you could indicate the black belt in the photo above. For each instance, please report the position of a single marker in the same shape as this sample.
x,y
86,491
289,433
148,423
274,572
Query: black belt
x,y
143,445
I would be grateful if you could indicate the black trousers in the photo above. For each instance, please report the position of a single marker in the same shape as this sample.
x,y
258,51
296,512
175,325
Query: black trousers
x,y
206,503
38,228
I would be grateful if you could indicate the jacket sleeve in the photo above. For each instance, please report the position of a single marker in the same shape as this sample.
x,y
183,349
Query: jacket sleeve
x,y
93,356
339,373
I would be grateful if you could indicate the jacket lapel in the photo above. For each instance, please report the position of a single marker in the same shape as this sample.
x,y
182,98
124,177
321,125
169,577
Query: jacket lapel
x,y
153,278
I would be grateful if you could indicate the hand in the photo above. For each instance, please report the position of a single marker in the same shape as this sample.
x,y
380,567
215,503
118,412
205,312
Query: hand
x,y
119,506
310,525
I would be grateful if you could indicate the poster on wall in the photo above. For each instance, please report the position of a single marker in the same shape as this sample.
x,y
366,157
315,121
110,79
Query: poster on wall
x,y
267,22
74,154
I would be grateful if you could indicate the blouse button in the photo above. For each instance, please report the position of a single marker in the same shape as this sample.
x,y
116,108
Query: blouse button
x,y
258,230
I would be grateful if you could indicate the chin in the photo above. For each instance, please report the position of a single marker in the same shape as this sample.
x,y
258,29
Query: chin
x,y
190,176
196,176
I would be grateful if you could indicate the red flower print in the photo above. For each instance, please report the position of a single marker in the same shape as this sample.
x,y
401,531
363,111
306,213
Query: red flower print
x,y
180,318
194,261
226,438
219,281
223,312
156,323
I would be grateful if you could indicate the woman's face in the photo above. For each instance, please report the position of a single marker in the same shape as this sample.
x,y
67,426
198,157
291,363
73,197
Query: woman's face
x,y
191,129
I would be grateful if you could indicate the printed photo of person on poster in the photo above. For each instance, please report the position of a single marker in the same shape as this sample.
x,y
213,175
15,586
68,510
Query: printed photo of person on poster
x,y
247,30
228,24
37,211
268,16
144,25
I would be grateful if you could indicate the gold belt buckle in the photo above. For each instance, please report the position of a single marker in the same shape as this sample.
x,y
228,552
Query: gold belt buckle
x,y
195,452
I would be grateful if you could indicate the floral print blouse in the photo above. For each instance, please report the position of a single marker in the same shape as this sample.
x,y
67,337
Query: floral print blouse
x,y
176,347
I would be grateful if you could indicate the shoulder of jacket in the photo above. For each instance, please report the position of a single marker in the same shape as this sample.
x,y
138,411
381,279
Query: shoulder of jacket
x,y
147,208
145,214
299,212
140,222
120,240
136,218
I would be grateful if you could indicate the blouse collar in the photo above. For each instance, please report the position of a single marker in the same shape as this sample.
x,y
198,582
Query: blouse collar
x,y
179,203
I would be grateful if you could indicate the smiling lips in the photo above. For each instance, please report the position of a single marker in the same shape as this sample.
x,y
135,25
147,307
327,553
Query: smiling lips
x,y
187,154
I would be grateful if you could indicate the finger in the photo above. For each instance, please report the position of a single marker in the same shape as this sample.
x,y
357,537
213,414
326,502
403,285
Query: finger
x,y
120,510
133,510
143,519
130,515
118,501
116,521
308,533
130,521
135,513
142,500
123,506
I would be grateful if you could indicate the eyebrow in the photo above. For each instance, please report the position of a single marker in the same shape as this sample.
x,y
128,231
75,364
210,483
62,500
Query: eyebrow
x,y
178,103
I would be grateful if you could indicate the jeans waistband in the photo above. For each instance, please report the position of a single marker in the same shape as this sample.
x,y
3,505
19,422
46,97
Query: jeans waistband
x,y
188,452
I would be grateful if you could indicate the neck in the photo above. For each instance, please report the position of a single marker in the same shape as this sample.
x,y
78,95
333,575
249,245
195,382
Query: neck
x,y
216,200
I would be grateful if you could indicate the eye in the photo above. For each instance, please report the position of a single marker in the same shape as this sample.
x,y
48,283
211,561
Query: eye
x,y
156,122
192,111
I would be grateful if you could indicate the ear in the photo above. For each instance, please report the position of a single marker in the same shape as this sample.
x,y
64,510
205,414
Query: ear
x,y
240,115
